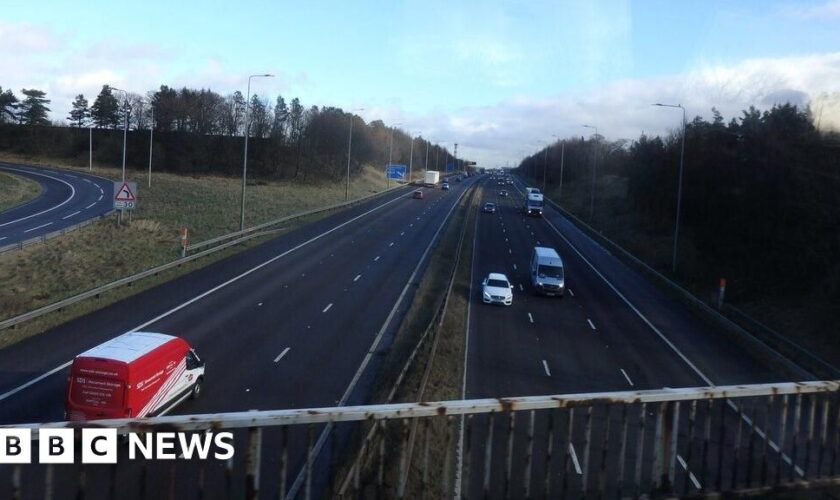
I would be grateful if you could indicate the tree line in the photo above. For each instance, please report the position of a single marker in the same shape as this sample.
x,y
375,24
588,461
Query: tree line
x,y
199,130
761,195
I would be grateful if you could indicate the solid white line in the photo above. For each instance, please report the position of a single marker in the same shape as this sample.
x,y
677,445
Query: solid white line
x,y
200,296
377,258
545,365
691,476
327,308
37,227
92,204
591,324
100,197
71,215
3,238
86,180
357,277
530,318
575,459
72,194
280,356
626,376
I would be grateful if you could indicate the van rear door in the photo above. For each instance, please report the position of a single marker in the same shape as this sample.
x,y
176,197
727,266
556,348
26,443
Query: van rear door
x,y
96,389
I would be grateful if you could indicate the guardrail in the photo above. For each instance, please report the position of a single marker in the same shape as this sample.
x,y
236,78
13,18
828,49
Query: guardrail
x,y
44,237
238,237
699,441
795,358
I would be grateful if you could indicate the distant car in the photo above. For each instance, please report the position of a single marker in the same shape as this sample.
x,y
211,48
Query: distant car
x,y
417,195
496,289
489,208
444,186
503,193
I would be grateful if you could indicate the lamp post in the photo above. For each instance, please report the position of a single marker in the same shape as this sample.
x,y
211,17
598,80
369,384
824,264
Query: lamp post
x,y
562,161
594,163
679,186
390,153
125,127
426,163
247,133
411,157
349,146
151,139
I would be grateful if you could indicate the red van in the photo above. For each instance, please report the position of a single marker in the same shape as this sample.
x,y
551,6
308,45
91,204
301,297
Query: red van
x,y
138,374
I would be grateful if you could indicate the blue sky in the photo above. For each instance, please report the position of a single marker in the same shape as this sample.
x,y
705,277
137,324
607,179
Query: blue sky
x,y
496,76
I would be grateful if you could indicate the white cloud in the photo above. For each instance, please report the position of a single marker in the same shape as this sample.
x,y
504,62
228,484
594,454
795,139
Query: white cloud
x,y
502,133
825,11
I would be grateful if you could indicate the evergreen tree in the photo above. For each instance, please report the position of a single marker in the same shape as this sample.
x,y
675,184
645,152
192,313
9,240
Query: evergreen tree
x,y
8,105
80,112
33,109
105,110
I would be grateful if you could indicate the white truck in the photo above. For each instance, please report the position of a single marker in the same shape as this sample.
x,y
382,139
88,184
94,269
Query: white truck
x,y
432,178
533,202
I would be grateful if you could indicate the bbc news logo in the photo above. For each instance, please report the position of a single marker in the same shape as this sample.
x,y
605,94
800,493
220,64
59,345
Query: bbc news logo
x,y
102,445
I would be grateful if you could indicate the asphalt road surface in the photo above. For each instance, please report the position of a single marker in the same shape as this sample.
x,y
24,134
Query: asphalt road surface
x,y
66,198
296,322
613,331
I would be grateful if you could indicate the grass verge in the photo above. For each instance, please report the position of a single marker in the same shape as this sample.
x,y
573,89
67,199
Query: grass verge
x,y
16,189
442,359
102,252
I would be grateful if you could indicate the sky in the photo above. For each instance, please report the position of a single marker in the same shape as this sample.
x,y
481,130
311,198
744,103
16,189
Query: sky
x,y
500,78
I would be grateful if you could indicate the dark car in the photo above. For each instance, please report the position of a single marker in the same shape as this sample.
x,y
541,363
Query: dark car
x,y
417,195
489,208
503,193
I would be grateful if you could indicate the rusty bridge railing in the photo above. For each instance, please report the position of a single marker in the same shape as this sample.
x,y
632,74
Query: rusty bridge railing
x,y
687,442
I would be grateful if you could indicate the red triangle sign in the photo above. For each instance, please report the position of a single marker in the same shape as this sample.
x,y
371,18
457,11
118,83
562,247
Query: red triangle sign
x,y
124,193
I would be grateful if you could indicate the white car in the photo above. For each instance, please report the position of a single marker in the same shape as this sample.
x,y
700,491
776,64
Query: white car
x,y
496,289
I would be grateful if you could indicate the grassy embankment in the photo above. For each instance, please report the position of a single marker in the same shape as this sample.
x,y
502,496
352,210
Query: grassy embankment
x,y
102,252
15,190
808,320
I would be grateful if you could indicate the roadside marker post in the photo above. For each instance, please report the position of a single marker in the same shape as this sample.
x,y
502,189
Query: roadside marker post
x,y
184,242
721,293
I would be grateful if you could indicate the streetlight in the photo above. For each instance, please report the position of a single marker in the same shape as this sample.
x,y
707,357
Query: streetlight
x,y
151,139
390,153
545,162
426,163
411,157
125,126
349,145
562,161
247,133
594,160
679,185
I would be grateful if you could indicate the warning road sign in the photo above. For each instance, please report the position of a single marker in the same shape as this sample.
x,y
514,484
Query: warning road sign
x,y
125,195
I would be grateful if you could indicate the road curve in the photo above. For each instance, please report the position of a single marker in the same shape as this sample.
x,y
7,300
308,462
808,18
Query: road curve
x,y
67,198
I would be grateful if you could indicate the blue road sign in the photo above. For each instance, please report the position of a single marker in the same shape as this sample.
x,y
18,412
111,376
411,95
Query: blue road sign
x,y
396,172
450,167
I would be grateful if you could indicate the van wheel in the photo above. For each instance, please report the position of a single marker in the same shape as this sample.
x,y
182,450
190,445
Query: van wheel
x,y
196,390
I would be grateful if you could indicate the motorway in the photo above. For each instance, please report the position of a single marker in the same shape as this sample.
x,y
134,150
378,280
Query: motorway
x,y
66,198
613,330
291,323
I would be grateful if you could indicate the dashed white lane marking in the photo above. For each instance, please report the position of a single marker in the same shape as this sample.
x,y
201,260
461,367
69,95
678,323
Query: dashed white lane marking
x,y
411,225
38,227
92,204
357,277
514,267
280,356
545,365
3,238
71,215
510,251
259,304
575,459
571,292
100,197
591,324
626,376
402,233
377,258
691,476
327,308
391,244
530,318
521,289
86,180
